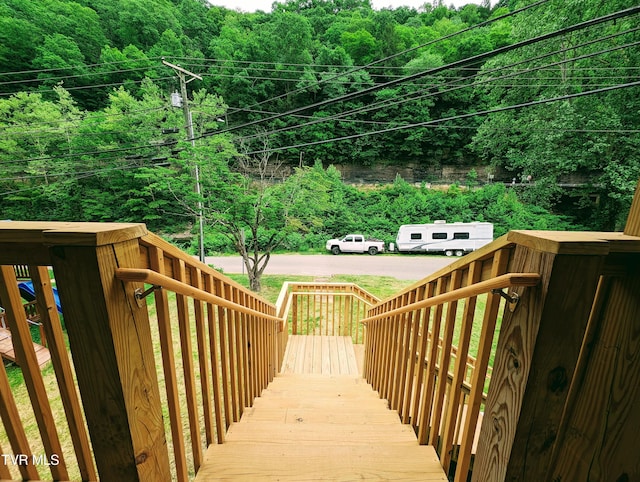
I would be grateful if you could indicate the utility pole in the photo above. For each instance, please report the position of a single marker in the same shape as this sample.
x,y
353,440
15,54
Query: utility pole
x,y
182,74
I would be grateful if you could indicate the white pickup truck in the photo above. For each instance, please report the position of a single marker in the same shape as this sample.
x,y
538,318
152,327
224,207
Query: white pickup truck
x,y
355,243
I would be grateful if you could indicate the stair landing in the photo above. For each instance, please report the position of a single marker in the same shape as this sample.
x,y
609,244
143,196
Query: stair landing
x,y
320,427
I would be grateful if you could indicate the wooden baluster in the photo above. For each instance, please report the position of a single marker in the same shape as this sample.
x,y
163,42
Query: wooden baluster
x,y
50,323
156,259
445,358
4,470
453,409
209,286
387,364
383,367
430,375
28,361
233,357
499,266
242,353
186,349
425,319
14,429
225,357
253,343
353,325
201,340
408,355
416,295
246,355
294,314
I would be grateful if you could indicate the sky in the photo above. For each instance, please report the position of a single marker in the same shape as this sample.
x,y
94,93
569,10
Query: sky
x,y
265,5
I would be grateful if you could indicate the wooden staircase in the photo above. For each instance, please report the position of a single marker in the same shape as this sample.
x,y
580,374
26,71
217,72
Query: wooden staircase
x,y
320,427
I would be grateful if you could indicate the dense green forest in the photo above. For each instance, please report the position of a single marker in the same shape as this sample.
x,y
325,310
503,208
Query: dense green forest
x,y
547,89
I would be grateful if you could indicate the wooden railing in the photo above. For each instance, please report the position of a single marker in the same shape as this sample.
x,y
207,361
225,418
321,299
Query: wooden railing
x,y
167,353
333,309
170,376
533,348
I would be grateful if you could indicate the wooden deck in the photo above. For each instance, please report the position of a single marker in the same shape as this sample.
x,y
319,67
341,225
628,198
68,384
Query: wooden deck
x,y
7,351
320,424
322,355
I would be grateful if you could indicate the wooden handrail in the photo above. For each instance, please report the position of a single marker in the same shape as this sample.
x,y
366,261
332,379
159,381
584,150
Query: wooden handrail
x,y
151,277
500,282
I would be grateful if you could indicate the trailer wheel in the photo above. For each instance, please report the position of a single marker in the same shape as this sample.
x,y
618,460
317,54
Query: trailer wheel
x,y
335,249
448,252
459,253
373,250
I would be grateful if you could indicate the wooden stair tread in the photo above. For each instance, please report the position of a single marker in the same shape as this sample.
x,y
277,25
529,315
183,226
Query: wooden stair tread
x,y
310,415
295,462
317,433
320,428
341,403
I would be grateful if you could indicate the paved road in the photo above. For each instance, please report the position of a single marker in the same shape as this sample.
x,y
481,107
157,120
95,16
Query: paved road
x,y
405,267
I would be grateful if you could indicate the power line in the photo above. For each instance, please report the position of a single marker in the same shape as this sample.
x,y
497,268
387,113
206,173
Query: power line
x,y
82,175
131,148
115,62
447,119
383,104
410,96
96,86
404,52
464,62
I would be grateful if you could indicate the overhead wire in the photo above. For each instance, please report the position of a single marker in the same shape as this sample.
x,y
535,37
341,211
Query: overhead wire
x,y
324,80
457,117
222,131
94,86
463,62
398,100
404,52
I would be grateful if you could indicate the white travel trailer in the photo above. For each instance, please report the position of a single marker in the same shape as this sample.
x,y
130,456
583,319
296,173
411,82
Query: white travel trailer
x,y
443,237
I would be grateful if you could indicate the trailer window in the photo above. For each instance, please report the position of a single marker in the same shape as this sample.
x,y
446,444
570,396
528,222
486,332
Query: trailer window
x,y
439,236
460,235
416,235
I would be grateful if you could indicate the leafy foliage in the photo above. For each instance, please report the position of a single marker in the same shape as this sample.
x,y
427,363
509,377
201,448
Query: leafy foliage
x,y
88,134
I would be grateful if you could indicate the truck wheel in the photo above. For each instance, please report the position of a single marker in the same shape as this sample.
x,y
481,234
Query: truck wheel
x,y
459,253
448,252
335,249
373,250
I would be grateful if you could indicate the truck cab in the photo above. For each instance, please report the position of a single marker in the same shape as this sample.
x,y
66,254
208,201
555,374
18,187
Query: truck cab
x,y
355,243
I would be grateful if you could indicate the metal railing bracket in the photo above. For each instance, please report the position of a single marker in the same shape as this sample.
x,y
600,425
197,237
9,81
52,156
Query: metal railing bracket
x,y
512,298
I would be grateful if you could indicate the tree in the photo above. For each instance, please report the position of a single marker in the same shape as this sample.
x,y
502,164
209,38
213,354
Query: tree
x,y
238,199
589,141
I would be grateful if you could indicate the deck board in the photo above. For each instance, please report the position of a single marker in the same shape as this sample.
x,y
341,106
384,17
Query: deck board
x,y
6,349
326,355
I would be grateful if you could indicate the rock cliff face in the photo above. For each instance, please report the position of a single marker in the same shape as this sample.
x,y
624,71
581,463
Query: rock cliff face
x,y
414,173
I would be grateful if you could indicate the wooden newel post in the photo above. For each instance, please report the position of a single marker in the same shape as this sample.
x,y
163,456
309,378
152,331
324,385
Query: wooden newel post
x,y
600,433
535,360
111,346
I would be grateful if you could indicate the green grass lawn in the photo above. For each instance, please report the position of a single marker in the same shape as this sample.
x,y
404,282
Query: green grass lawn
x,y
380,286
